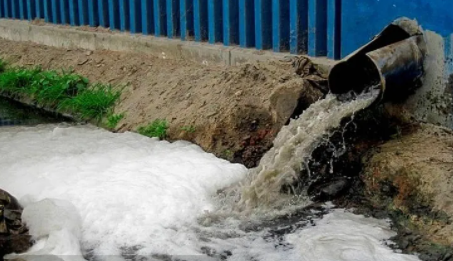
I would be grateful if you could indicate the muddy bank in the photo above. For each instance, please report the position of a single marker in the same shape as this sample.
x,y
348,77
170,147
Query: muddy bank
x,y
233,112
388,168
411,177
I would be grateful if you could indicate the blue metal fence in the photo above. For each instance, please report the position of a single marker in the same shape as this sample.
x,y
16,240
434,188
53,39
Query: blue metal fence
x,y
296,26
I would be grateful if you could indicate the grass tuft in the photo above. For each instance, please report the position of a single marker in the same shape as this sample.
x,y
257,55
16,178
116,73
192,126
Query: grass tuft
x,y
158,128
63,91
113,120
92,103
188,129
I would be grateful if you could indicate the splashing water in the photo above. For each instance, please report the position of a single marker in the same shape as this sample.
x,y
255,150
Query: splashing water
x,y
293,146
91,194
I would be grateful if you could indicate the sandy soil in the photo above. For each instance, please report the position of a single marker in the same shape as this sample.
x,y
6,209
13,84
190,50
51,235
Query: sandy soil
x,y
235,112
413,174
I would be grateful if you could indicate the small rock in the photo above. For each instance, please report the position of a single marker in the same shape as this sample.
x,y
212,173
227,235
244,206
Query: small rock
x,y
212,113
82,61
404,244
88,53
238,93
14,244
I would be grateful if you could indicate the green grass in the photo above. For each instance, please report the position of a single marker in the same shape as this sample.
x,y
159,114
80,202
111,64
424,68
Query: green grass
x,y
93,103
158,128
62,91
188,129
113,120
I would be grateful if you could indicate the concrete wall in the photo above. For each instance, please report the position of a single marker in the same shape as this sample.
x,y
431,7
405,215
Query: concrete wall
x,y
73,37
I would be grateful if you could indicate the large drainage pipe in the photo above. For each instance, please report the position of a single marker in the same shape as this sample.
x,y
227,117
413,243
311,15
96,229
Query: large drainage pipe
x,y
392,61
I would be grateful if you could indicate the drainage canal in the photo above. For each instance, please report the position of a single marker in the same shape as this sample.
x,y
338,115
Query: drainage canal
x,y
13,114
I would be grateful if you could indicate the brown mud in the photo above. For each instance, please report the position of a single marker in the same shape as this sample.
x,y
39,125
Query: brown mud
x,y
388,168
233,112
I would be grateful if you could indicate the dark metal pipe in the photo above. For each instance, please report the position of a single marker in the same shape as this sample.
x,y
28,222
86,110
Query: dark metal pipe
x,y
393,61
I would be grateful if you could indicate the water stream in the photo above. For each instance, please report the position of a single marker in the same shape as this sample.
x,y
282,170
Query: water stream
x,y
94,195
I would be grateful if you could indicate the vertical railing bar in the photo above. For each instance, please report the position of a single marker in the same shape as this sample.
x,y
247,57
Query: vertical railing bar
x,y
147,17
103,13
215,25
200,20
135,17
113,14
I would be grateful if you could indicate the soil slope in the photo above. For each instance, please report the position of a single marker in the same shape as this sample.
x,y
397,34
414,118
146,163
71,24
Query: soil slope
x,y
412,176
234,112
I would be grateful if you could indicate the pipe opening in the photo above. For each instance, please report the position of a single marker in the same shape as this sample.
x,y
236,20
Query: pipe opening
x,y
392,62
354,75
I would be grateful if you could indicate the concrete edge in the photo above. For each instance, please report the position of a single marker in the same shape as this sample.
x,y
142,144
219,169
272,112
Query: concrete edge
x,y
73,37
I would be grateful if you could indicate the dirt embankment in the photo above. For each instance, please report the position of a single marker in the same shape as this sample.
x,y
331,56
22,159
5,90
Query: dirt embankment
x,y
233,112
412,177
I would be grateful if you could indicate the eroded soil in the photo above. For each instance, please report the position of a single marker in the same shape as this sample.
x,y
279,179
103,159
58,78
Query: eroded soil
x,y
233,112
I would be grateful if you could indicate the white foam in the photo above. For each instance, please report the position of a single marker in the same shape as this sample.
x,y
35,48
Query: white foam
x,y
343,236
117,192
128,189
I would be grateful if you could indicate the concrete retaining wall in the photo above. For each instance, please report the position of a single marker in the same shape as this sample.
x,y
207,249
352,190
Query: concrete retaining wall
x,y
73,37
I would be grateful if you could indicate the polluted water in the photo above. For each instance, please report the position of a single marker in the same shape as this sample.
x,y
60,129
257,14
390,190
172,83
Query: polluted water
x,y
89,194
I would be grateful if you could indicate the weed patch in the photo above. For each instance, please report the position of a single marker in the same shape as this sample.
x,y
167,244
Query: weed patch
x,y
113,120
93,103
188,129
62,91
158,128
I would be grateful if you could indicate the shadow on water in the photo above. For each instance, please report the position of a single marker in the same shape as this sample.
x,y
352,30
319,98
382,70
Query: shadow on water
x,y
13,113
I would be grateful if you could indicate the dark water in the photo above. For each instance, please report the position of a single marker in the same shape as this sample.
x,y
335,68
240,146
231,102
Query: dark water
x,y
13,113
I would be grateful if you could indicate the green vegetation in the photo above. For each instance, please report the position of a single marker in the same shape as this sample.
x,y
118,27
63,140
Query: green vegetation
x,y
188,129
113,120
61,91
158,128
93,103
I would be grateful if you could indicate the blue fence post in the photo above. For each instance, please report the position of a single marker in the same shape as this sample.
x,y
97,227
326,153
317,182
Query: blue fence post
x,y
22,9
93,15
246,23
114,14
186,18
280,25
31,9
135,19
124,15
160,23
73,12
317,27
215,26
64,11
172,9
230,22
48,11
334,29
15,9
298,38
147,17
2,13
83,12
103,13
56,11
6,12
263,30
200,20
6,9
39,6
